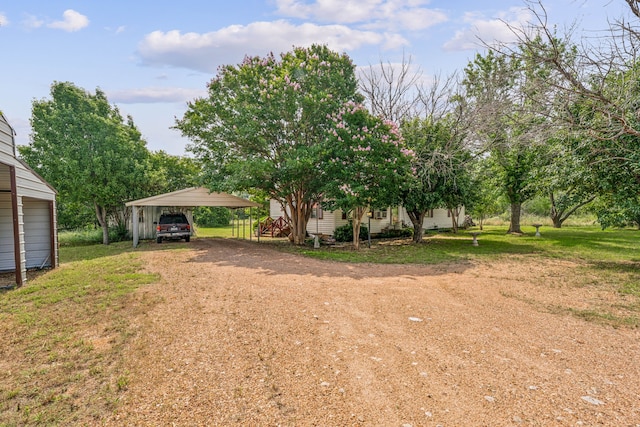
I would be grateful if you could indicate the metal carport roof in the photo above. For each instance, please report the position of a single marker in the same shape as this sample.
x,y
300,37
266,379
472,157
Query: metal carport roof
x,y
194,196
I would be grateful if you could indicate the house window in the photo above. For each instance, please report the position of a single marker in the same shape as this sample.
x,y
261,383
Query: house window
x,y
344,215
316,211
380,214
429,213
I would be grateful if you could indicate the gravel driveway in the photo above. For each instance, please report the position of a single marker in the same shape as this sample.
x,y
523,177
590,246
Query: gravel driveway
x,y
247,336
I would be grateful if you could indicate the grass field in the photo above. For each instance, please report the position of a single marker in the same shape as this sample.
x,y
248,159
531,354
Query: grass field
x,y
62,334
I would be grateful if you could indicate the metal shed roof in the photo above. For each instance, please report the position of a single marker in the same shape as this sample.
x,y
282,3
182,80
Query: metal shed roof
x,y
194,196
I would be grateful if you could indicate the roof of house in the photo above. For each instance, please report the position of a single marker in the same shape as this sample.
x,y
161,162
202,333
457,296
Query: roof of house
x,y
194,196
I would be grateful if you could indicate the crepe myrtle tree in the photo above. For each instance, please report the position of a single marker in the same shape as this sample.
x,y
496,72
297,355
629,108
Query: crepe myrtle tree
x,y
264,124
365,162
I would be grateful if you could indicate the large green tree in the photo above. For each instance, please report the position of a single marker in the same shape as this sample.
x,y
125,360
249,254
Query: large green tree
x,y
364,164
171,173
506,93
438,174
264,123
566,178
597,83
84,148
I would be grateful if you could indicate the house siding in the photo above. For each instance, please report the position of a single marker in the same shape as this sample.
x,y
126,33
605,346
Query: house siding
x,y
333,220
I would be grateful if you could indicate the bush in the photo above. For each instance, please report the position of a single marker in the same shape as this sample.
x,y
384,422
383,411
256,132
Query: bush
x,y
206,216
344,233
91,236
118,233
403,232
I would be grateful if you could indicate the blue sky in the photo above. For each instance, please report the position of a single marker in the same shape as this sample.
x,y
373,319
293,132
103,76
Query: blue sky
x,y
151,57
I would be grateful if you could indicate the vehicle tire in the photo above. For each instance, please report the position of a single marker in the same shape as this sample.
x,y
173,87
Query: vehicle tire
x,y
188,238
159,240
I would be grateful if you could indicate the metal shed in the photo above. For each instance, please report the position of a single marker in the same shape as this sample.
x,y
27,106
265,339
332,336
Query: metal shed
x,y
28,230
147,211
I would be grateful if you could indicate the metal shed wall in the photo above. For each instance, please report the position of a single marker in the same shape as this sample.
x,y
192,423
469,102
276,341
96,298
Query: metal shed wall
x,y
28,234
7,259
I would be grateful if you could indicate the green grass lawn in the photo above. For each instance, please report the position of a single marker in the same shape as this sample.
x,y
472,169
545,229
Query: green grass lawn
x,y
62,335
237,230
582,243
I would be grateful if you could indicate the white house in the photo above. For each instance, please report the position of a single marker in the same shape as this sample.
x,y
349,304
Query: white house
x,y
28,231
325,222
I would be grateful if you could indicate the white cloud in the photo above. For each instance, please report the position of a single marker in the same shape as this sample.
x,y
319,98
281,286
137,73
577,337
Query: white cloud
x,y
152,95
487,31
4,21
72,21
387,14
31,22
204,52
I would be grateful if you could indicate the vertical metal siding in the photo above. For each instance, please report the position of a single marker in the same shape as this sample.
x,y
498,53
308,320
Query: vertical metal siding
x,y
6,138
7,259
37,233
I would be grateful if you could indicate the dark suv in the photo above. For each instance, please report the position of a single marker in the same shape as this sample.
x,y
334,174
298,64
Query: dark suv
x,y
173,226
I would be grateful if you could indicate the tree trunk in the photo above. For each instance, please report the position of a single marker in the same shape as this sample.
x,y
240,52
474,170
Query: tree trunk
x,y
455,212
417,219
101,214
300,213
357,220
514,226
556,216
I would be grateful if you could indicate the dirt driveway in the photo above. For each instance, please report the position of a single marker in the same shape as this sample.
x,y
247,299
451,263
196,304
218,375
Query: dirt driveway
x,y
248,336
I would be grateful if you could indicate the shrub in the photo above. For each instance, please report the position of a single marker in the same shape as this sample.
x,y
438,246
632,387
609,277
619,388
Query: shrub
x,y
206,216
344,233
403,232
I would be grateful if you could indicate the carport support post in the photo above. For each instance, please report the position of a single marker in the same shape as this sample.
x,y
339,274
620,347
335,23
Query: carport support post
x,y
135,225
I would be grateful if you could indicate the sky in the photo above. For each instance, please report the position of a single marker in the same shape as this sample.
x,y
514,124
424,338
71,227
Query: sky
x,y
151,57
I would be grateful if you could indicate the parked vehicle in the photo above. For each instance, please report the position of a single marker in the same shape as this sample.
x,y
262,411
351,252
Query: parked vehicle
x,y
174,226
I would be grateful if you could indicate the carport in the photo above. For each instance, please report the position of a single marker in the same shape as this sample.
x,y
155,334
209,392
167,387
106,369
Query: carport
x,y
146,212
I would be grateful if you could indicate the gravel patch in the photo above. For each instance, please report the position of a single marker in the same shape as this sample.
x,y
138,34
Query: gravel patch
x,y
245,335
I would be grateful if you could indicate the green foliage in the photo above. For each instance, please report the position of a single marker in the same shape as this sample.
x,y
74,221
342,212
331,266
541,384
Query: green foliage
x,y
439,174
264,125
206,216
74,215
172,173
508,94
539,205
364,163
344,233
86,150
391,233
614,210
